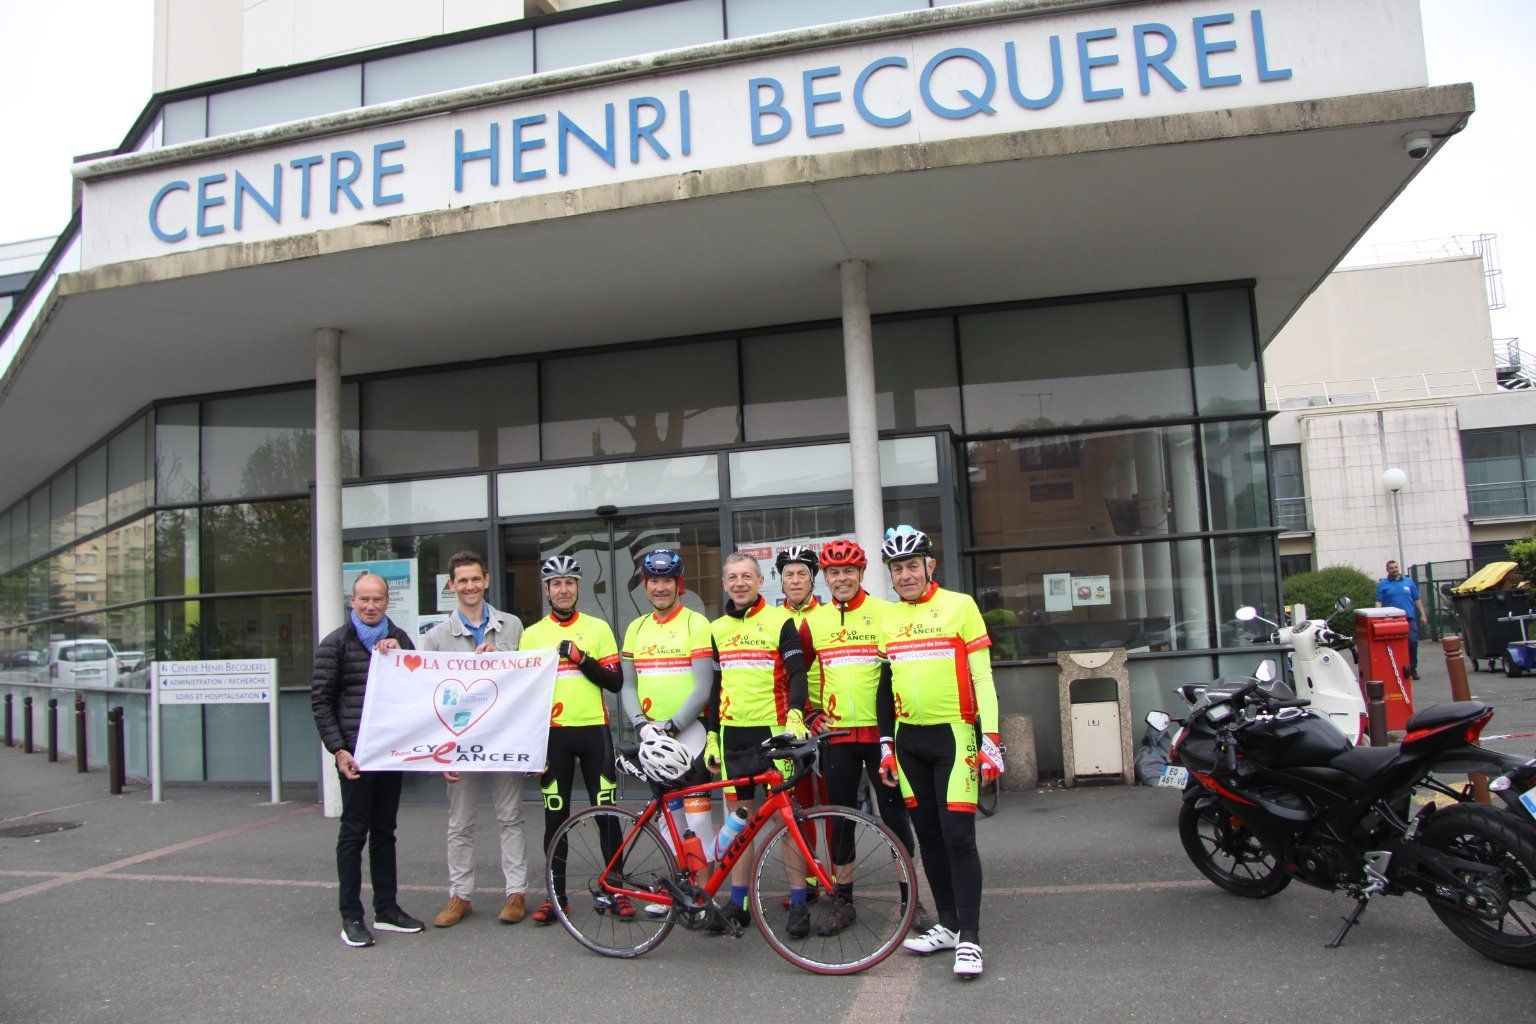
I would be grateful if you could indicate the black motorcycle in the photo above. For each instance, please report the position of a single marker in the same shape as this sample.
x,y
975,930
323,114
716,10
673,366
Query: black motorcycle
x,y
1277,792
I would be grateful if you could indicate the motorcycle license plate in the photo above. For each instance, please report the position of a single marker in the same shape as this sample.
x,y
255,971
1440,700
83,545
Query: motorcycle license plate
x,y
1528,798
1176,777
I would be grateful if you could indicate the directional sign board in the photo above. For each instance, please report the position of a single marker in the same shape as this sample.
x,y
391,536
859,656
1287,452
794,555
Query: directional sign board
x,y
237,681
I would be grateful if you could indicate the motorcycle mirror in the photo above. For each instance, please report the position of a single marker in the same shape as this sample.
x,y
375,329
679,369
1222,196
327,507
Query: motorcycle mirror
x,y
1247,613
1343,604
1265,671
1158,720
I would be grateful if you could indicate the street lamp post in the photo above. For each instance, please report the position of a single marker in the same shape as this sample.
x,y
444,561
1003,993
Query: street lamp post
x,y
1394,480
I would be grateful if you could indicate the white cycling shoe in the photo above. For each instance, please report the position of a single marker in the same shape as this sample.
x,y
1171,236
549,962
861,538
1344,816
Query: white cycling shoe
x,y
967,960
933,940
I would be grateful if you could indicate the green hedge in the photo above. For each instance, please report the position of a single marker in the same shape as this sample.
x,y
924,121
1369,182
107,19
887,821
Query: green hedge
x,y
1320,590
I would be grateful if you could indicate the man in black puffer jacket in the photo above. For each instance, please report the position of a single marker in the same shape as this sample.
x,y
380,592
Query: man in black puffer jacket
x,y
370,801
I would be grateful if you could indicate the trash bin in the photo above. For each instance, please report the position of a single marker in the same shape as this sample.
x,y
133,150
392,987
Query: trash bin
x,y
1381,641
1486,637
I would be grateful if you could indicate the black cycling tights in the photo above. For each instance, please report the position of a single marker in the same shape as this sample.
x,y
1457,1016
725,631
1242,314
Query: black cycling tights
x,y
948,837
592,746
842,766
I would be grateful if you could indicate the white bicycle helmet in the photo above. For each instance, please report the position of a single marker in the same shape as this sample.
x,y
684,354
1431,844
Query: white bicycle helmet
x,y
904,542
664,759
559,566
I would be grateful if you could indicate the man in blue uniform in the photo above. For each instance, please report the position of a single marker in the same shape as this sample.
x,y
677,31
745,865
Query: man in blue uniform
x,y
1398,591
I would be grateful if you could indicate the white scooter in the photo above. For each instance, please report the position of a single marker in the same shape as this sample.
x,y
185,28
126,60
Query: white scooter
x,y
1320,672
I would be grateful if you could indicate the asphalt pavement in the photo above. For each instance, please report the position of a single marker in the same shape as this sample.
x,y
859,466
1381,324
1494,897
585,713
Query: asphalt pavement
x,y
214,906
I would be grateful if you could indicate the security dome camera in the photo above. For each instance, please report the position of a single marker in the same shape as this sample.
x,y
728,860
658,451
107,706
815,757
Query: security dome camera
x,y
1417,144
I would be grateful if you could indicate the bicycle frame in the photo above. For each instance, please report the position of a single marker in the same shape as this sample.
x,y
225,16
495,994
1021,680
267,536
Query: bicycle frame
x,y
779,804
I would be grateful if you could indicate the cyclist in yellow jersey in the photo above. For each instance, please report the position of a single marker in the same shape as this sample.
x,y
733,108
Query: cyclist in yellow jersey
x,y
842,641
797,565
668,663
761,693
938,726
578,717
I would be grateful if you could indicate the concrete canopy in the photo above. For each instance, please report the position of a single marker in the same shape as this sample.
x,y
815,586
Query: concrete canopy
x,y
1274,193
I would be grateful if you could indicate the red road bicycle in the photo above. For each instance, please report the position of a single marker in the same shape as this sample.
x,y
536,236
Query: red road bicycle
x,y
612,852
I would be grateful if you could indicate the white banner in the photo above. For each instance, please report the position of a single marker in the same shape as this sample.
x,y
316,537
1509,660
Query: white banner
x,y
430,711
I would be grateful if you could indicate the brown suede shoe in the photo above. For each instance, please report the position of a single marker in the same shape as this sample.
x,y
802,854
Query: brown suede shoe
x,y
456,911
514,910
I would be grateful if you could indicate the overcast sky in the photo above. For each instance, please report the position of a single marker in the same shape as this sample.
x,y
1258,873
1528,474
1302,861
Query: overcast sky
x,y
75,73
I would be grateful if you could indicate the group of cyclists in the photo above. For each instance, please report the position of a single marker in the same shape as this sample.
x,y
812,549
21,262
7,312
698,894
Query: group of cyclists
x,y
906,685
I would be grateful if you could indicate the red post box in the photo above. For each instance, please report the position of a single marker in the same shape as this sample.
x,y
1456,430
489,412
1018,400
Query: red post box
x,y
1381,640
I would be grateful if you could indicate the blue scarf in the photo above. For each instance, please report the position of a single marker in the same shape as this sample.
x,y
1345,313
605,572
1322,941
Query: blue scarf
x,y
369,635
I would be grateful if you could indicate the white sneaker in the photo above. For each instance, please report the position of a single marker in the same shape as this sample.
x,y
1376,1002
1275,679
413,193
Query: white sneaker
x,y
967,960
932,941
657,909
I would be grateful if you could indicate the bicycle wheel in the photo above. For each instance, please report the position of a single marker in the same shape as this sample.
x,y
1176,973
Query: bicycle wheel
x,y
839,941
986,797
592,915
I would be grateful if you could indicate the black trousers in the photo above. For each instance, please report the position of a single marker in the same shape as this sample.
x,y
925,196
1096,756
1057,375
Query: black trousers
x,y
591,747
946,832
842,766
369,807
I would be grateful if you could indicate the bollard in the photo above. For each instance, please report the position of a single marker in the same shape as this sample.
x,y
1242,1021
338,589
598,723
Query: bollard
x,y
53,729
9,732
26,725
115,773
80,762
1376,711
1461,691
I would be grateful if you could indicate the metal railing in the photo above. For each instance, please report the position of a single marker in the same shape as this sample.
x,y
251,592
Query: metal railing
x,y
1293,514
1484,247
1501,498
1391,388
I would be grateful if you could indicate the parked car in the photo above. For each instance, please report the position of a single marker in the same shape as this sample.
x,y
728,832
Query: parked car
x,y
80,663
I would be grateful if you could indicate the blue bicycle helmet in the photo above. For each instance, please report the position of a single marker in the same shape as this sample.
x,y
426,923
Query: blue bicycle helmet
x,y
662,562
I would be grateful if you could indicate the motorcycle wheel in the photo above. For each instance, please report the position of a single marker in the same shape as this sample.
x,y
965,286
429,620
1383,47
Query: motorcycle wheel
x,y
1506,930
1227,853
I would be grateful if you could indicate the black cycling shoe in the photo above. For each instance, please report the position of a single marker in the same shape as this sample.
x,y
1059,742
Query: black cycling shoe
x,y
739,916
396,920
356,934
799,925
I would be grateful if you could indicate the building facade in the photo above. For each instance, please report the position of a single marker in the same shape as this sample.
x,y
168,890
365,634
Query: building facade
x,y
713,274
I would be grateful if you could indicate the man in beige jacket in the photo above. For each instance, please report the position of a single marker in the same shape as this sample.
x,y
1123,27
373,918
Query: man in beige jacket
x,y
476,627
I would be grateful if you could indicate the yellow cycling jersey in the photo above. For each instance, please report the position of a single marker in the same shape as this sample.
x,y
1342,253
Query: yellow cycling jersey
x,y
662,650
845,643
812,671
929,643
754,686
578,700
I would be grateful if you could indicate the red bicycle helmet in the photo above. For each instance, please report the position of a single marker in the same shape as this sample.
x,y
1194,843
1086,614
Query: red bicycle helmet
x,y
843,552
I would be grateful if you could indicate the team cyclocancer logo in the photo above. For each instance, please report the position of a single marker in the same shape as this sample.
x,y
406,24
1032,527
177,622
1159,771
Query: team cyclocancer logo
x,y
460,705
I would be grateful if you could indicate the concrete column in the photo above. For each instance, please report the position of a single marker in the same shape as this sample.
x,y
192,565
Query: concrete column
x,y
863,421
329,605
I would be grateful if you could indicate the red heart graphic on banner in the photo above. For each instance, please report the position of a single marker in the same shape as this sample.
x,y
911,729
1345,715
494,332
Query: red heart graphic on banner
x,y
411,662
459,706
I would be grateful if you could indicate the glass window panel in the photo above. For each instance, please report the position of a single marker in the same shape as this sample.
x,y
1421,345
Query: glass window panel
x,y
129,562
1495,473
61,583
20,545
40,528
1057,366
415,501
808,469
1245,573
756,17
128,630
915,381
91,492
91,573
1237,481
448,67
431,552
1043,490
5,544
692,478
260,546
62,501
177,563
127,479
644,400
37,589
176,461
289,99
1221,334
1147,597
628,34
259,444
457,420
262,627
